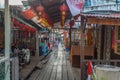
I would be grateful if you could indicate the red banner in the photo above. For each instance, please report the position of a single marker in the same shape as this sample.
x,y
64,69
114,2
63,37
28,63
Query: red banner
x,y
28,14
75,6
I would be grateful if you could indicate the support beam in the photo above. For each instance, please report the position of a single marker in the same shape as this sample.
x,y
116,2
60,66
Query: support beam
x,y
7,40
107,44
82,48
103,21
99,43
37,44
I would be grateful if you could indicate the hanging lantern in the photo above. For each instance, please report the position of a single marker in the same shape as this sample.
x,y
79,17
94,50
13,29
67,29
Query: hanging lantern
x,y
23,28
16,23
44,19
20,25
63,9
40,10
71,23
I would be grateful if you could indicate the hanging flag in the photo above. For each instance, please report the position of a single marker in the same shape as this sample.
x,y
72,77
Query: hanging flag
x,y
89,70
75,6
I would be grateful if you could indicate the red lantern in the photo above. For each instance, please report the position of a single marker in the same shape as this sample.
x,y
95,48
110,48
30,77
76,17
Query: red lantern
x,y
63,8
29,29
16,23
40,9
21,24
71,23
23,28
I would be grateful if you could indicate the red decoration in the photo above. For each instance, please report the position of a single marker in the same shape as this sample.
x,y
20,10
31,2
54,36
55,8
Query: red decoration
x,y
28,14
40,8
63,8
89,70
23,28
21,25
12,19
44,15
71,23
16,23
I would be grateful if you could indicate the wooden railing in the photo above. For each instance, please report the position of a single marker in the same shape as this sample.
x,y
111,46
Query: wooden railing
x,y
95,62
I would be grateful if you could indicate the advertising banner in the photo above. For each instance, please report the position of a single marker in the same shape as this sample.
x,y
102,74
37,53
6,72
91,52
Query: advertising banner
x,y
75,6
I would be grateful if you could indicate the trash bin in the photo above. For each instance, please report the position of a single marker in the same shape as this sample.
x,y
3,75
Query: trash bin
x,y
107,72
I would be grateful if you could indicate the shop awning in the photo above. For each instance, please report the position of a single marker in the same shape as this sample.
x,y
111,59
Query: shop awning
x,y
116,16
103,19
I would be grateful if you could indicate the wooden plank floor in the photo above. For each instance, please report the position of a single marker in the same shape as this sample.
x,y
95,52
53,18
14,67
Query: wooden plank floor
x,y
57,68
28,68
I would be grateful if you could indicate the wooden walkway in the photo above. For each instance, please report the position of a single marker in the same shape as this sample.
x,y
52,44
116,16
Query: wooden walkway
x,y
57,68
28,68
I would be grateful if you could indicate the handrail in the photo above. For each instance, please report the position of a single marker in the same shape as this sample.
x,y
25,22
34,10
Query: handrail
x,y
3,59
103,61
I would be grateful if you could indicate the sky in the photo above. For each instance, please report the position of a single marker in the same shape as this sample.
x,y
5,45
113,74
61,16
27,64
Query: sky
x,y
11,2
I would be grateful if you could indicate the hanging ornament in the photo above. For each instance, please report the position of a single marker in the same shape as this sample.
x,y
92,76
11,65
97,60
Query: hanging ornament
x,y
40,10
71,23
63,9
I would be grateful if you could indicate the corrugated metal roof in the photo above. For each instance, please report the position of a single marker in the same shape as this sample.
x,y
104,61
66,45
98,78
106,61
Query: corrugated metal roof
x,y
116,16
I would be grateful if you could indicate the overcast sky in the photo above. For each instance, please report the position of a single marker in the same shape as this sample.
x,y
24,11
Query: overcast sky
x,y
11,2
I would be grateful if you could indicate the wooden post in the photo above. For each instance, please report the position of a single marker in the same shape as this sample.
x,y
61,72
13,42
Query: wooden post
x,y
37,43
7,40
107,44
82,48
70,37
99,44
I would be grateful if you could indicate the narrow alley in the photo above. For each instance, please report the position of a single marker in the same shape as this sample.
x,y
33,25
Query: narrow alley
x,y
59,39
57,68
